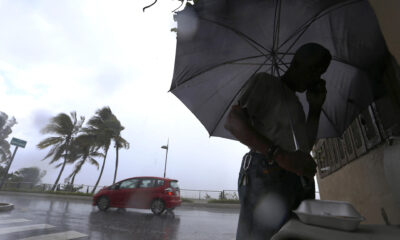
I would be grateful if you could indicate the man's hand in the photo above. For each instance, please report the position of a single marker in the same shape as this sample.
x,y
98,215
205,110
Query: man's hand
x,y
297,162
316,95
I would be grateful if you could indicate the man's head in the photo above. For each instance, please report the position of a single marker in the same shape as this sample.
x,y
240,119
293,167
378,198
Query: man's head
x,y
309,63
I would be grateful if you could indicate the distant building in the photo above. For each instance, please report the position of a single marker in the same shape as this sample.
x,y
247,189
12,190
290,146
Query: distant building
x,y
363,166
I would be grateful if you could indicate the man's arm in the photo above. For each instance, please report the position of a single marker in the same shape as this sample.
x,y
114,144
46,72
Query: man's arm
x,y
316,98
238,124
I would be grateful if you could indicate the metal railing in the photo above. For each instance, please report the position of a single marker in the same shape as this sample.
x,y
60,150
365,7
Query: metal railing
x,y
209,194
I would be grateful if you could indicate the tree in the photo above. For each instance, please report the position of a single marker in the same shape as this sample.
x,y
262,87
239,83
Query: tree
x,y
102,128
5,130
83,150
119,143
31,175
65,128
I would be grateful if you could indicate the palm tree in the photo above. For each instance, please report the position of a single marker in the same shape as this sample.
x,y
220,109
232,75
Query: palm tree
x,y
83,150
119,143
65,128
102,127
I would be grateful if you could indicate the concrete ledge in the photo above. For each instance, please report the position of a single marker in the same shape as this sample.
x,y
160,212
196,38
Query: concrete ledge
x,y
47,195
211,205
199,204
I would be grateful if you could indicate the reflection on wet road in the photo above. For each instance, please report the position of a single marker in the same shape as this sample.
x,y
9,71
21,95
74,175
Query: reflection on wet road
x,y
82,221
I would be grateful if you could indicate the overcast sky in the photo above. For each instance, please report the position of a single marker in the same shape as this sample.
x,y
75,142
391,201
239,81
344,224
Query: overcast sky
x,y
63,56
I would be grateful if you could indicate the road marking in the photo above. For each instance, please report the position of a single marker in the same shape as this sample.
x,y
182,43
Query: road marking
x,y
57,236
19,220
6,230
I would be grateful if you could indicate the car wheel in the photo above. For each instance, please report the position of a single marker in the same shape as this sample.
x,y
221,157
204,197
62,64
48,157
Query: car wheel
x,y
103,203
157,206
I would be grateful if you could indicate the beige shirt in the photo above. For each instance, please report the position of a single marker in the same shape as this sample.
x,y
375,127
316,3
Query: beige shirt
x,y
270,105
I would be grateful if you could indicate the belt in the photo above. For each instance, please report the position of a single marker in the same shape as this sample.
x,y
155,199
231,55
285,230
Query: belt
x,y
248,159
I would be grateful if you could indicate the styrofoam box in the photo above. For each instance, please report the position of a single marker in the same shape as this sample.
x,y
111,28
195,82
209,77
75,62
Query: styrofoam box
x,y
331,214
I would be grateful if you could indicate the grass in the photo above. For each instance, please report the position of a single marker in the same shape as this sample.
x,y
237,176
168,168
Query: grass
x,y
186,200
229,201
49,192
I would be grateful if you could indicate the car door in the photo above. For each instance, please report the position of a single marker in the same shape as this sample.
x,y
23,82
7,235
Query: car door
x,y
114,195
127,191
144,194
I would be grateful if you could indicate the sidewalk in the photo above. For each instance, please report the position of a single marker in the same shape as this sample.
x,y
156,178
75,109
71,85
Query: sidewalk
x,y
197,203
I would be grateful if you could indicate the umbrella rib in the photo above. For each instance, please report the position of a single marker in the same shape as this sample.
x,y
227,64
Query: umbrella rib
x,y
234,97
277,23
310,22
331,121
248,39
334,58
266,64
219,65
304,27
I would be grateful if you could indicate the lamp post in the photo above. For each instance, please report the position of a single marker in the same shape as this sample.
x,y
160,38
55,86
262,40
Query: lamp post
x,y
166,156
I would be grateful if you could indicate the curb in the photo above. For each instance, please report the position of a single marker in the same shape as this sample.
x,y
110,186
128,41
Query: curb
x,y
46,195
212,205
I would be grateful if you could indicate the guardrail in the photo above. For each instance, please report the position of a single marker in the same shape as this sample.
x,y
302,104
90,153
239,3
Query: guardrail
x,y
209,194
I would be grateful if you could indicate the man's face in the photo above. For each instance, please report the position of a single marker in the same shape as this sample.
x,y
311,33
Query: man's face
x,y
308,76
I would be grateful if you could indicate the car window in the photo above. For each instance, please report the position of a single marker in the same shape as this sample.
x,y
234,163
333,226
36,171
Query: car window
x,y
115,186
147,183
131,183
159,183
174,184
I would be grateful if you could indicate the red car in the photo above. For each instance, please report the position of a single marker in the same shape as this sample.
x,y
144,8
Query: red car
x,y
155,193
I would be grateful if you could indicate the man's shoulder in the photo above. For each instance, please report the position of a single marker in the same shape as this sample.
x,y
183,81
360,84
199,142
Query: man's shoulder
x,y
265,79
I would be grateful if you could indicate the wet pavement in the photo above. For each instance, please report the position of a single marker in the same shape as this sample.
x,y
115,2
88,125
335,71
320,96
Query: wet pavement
x,y
77,219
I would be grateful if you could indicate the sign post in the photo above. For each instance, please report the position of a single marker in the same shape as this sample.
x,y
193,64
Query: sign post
x,y
17,143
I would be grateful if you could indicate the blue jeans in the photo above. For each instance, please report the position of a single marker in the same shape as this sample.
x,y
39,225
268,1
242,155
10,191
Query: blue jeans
x,y
267,196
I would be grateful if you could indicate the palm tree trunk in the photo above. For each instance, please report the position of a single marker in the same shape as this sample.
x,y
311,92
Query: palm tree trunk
x,y
116,163
73,179
59,175
101,172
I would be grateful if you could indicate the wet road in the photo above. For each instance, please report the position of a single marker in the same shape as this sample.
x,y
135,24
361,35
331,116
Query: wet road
x,y
77,219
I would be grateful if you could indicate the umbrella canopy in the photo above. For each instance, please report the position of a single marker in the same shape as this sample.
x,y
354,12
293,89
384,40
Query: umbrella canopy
x,y
222,43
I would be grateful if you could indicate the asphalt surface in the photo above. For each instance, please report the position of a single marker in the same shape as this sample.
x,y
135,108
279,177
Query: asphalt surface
x,y
76,219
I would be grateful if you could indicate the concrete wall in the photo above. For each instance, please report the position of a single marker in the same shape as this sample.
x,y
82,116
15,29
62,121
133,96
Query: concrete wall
x,y
388,13
363,182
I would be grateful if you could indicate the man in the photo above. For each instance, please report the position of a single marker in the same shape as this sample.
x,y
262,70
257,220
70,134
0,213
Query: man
x,y
277,173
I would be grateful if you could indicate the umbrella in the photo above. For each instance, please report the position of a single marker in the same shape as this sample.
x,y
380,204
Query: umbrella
x,y
222,43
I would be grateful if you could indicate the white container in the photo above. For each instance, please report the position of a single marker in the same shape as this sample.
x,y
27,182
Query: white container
x,y
331,214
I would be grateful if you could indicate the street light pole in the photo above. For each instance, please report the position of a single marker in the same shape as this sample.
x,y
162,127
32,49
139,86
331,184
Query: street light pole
x,y
166,156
